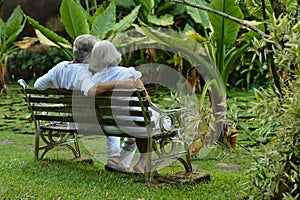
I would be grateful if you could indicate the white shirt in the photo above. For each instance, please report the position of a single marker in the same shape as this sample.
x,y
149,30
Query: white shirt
x,y
115,73
68,76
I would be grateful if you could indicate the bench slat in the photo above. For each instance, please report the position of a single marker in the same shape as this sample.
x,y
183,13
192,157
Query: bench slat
x,y
54,91
49,91
84,101
103,111
61,109
48,100
54,118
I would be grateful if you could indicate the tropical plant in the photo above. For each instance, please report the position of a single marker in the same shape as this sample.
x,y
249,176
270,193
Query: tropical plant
x,y
9,32
213,91
275,172
218,47
33,62
220,43
78,21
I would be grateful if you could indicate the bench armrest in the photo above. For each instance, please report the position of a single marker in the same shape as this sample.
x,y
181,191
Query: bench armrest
x,y
162,111
22,83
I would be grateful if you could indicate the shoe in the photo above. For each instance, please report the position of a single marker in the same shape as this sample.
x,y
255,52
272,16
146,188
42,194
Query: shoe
x,y
137,171
114,165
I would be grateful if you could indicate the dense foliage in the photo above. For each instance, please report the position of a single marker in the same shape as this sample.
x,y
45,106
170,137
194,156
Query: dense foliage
x,y
9,31
276,171
33,62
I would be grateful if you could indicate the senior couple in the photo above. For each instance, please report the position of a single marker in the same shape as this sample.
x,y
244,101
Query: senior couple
x,y
95,70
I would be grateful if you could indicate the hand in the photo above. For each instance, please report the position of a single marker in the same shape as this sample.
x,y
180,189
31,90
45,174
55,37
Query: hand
x,y
128,83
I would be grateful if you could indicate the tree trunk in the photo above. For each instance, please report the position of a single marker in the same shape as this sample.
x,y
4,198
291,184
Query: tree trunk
x,y
2,81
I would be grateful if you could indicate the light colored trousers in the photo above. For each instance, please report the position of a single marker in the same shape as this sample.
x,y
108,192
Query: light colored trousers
x,y
128,148
126,152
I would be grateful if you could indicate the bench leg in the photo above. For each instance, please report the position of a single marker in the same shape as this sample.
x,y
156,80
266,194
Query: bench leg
x,y
37,145
63,139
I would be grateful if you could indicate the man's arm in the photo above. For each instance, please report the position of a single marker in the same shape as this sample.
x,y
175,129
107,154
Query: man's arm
x,y
100,88
49,79
44,82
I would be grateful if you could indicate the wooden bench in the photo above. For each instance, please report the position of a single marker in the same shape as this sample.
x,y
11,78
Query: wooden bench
x,y
54,112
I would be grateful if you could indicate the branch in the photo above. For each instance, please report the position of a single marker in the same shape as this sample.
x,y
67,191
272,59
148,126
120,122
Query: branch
x,y
184,2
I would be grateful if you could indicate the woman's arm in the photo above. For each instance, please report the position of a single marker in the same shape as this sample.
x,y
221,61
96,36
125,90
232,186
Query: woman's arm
x,y
100,88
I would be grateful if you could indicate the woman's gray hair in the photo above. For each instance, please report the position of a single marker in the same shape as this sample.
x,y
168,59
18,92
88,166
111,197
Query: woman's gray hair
x,y
83,46
104,54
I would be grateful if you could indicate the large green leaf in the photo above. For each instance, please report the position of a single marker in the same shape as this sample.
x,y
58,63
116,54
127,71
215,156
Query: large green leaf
x,y
15,21
14,26
171,38
225,30
231,57
47,32
74,18
58,40
126,22
125,3
12,37
52,36
164,20
98,12
104,22
184,45
147,4
198,15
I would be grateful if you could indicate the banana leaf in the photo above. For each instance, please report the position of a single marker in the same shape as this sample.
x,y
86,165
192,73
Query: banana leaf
x,y
125,3
14,26
55,38
73,17
148,5
199,16
47,32
225,31
231,57
191,50
104,22
164,20
127,21
98,12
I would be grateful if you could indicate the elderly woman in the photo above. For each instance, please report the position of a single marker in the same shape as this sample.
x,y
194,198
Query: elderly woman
x,y
104,61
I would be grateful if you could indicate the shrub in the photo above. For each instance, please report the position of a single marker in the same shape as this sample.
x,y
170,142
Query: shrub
x,y
31,63
275,174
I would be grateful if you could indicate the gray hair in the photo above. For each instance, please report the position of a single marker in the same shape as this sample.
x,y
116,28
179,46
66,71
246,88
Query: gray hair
x,y
104,54
83,46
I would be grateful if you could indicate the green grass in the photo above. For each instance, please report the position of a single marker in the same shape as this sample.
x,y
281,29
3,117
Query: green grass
x,y
21,177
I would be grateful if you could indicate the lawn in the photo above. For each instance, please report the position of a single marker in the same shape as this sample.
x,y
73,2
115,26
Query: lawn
x,y
59,177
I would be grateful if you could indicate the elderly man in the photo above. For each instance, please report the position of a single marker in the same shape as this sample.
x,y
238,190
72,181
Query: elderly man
x,y
75,75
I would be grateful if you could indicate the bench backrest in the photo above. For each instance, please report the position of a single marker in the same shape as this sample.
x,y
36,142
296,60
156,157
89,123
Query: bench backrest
x,y
116,108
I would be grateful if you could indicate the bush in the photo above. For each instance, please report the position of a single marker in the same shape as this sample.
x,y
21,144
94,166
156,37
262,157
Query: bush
x,y
31,63
276,172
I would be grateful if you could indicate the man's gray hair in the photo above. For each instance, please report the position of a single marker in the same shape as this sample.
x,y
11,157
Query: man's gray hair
x,y
104,54
83,46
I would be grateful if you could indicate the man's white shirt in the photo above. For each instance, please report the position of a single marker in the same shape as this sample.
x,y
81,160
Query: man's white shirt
x,y
66,75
